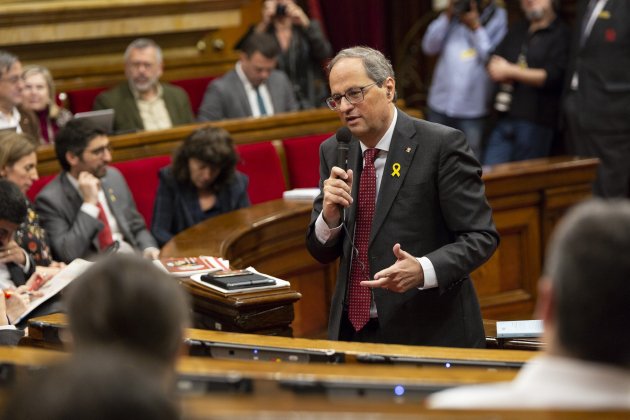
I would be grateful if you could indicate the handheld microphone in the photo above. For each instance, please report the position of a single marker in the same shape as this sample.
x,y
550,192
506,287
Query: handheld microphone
x,y
343,145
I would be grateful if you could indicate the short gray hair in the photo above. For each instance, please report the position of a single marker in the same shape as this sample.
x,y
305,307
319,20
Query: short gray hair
x,y
142,43
377,66
7,60
589,267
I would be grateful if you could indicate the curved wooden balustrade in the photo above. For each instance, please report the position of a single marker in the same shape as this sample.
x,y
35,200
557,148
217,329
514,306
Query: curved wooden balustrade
x,y
527,199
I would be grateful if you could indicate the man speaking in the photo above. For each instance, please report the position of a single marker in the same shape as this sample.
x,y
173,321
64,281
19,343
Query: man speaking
x,y
409,219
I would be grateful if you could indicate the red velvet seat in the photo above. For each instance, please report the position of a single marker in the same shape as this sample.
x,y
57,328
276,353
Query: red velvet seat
x,y
195,89
302,154
37,186
142,177
83,100
261,163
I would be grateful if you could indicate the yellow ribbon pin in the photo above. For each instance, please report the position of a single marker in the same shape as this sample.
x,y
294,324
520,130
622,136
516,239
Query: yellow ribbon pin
x,y
396,168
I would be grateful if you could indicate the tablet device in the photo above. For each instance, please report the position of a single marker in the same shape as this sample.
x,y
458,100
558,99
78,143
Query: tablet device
x,y
235,281
103,119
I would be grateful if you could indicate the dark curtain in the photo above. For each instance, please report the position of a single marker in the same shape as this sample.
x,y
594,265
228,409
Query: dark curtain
x,y
355,22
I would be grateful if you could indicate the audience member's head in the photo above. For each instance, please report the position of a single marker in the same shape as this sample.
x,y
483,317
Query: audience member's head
x,y
11,83
537,10
125,303
586,289
82,146
12,210
206,159
143,64
95,386
39,90
259,57
18,160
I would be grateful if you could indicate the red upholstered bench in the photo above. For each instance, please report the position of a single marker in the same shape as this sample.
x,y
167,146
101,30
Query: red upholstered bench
x,y
302,155
83,100
37,186
260,162
142,177
195,89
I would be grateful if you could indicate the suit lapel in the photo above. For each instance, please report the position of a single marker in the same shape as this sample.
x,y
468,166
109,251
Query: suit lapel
x,y
399,157
74,198
112,202
132,106
241,97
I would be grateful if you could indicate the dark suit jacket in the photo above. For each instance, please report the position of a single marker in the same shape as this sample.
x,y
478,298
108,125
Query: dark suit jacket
x,y
18,276
225,97
436,208
73,233
177,206
127,116
603,68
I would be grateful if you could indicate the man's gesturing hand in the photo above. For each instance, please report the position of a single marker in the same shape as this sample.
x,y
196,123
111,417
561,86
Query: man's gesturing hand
x,y
405,274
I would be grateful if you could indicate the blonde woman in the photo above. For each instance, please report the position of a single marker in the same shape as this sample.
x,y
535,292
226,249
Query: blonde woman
x,y
39,97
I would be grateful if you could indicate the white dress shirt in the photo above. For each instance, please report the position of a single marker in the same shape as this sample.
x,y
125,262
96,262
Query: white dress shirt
x,y
251,94
11,121
546,382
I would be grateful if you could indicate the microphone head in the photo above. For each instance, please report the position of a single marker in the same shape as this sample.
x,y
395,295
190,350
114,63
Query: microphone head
x,y
344,136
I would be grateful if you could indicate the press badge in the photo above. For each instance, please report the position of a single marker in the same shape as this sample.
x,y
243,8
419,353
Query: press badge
x,y
468,54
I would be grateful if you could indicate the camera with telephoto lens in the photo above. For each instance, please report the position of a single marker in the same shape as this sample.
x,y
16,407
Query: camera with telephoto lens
x,y
281,10
463,6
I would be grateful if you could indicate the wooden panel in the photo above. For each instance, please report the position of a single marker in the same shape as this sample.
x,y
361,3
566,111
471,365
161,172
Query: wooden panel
x,y
506,284
82,42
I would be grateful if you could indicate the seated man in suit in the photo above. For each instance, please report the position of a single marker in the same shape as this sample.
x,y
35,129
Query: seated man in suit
x,y
88,206
12,115
254,88
583,301
143,102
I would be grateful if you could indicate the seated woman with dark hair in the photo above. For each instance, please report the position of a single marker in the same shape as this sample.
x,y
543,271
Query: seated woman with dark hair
x,y
202,182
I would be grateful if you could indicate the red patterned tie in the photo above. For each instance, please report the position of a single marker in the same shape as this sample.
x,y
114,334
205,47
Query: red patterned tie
x,y
360,296
105,238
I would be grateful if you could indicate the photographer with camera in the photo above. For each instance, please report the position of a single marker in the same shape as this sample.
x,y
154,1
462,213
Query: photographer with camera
x,y
463,35
529,65
303,48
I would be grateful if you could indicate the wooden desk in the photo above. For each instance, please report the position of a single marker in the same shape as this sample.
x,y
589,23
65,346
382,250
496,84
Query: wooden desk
x,y
213,389
46,332
527,199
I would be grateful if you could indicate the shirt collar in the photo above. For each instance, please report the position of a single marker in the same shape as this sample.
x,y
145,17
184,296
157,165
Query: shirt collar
x,y
136,94
243,77
15,115
385,141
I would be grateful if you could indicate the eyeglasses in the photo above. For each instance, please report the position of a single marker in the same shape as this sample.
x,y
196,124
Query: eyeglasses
x,y
13,80
100,151
353,96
